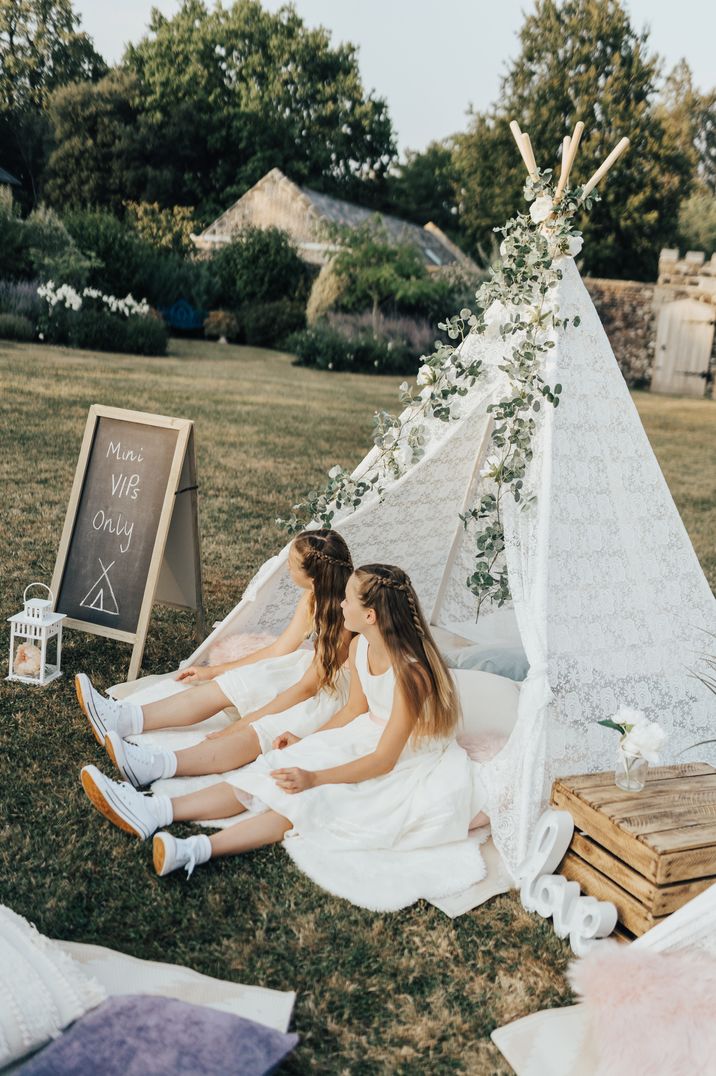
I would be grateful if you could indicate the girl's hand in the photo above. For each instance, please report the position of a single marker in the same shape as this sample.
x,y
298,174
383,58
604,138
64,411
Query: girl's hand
x,y
197,674
294,780
286,739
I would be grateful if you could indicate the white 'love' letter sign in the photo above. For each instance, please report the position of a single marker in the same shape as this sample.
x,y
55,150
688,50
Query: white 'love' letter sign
x,y
584,919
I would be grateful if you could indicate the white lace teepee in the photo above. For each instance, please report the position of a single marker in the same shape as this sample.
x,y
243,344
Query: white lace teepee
x,y
608,595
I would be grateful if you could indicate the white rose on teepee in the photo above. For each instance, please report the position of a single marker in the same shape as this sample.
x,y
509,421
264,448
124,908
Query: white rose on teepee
x,y
541,208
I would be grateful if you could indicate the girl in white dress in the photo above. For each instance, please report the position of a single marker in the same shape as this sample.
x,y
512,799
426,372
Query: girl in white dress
x,y
385,772
280,687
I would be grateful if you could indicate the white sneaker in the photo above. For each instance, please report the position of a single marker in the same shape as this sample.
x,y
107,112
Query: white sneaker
x,y
136,764
104,713
120,803
170,853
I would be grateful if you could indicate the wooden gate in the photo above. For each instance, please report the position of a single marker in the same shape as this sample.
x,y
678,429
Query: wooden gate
x,y
684,339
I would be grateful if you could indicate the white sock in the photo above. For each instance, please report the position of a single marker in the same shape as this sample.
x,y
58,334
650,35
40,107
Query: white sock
x,y
201,846
130,720
164,810
136,717
169,763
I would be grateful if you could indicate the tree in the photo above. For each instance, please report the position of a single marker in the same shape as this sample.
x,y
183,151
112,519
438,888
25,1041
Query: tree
x,y
232,92
422,188
373,270
166,229
690,116
100,155
259,265
41,48
697,222
582,59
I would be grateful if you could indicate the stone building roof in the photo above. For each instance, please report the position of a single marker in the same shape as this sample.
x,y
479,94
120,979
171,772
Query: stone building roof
x,y
7,179
277,200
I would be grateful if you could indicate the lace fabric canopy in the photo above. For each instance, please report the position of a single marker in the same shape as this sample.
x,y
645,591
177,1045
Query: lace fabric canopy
x,y
609,597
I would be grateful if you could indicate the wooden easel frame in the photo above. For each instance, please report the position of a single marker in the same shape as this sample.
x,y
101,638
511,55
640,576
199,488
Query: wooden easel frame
x,y
183,461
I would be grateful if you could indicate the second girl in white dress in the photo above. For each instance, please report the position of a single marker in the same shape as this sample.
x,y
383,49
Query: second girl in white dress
x,y
384,773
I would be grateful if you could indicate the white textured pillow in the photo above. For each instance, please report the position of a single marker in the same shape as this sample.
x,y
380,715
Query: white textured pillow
x,y
42,989
489,702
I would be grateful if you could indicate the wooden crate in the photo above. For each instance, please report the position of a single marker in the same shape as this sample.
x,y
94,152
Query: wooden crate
x,y
648,852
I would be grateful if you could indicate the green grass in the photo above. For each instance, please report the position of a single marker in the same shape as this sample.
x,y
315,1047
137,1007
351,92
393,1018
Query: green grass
x,y
399,993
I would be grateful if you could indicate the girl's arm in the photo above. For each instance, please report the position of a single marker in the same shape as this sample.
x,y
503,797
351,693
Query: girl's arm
x,y
289,640
356,704
378,762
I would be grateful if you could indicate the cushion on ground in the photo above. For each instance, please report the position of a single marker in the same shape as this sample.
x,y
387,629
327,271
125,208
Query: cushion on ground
x,y
138,1035
120,973
42,989
510,661
489,702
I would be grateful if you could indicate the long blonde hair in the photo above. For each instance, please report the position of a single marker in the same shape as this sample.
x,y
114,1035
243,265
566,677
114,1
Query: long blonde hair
x,y
419,669
326,560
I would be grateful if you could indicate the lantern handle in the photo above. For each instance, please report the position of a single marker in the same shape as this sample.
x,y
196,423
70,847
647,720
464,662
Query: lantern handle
x,y
29,585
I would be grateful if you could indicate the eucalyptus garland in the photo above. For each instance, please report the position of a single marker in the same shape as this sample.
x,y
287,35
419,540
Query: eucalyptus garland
x,y
518,303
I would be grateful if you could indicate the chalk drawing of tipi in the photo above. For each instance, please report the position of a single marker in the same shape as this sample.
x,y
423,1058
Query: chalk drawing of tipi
x,y
100,595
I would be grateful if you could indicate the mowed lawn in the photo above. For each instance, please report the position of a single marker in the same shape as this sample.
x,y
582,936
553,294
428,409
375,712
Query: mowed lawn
x,y
411,992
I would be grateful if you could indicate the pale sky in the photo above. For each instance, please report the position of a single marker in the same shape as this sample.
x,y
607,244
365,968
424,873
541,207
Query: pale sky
x,y
432,59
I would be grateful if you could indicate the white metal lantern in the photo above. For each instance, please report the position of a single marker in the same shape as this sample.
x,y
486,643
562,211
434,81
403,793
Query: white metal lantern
x,y
30,632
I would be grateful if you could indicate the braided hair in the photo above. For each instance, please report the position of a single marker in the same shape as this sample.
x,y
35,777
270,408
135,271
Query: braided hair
x,y
419,668
326,560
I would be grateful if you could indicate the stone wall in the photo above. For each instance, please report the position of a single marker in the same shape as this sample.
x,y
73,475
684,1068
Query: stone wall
x,y
626,308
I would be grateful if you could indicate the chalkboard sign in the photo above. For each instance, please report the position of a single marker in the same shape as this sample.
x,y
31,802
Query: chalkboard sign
x,y
129,538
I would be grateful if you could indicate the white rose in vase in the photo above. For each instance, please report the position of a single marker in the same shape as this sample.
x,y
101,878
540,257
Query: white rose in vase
x,y
644,739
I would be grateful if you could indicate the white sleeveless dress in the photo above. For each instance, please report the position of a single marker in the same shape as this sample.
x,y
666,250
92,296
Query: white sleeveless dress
x,y
428,799
250,687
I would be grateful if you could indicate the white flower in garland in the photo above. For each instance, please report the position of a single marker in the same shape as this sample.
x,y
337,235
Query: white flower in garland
x,y
574,245
426,375
490,467
541,208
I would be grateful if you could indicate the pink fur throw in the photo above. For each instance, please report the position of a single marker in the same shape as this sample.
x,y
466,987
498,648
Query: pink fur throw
x,y
650,1012
482,746
238,646
235,647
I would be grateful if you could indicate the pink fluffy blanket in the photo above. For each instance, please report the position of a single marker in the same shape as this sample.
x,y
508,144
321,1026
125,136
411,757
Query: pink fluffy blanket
x,y
650,1012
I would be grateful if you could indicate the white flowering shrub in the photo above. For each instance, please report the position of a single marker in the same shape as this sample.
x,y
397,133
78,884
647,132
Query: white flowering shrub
x,y
66,296
91,319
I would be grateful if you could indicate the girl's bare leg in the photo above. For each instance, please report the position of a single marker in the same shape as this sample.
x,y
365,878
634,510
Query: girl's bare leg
x,y
218,756
267,828
185,708
217,801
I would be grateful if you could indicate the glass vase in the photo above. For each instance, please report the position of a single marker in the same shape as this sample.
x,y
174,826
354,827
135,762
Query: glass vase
x,y
630,771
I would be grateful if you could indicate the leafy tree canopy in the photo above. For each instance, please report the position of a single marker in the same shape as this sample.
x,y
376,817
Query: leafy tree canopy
x,y
233,91
582,59
690,116
41,48
373,270
422,188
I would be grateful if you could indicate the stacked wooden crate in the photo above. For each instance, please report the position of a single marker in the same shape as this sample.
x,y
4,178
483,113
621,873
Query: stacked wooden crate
x,y
648,852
